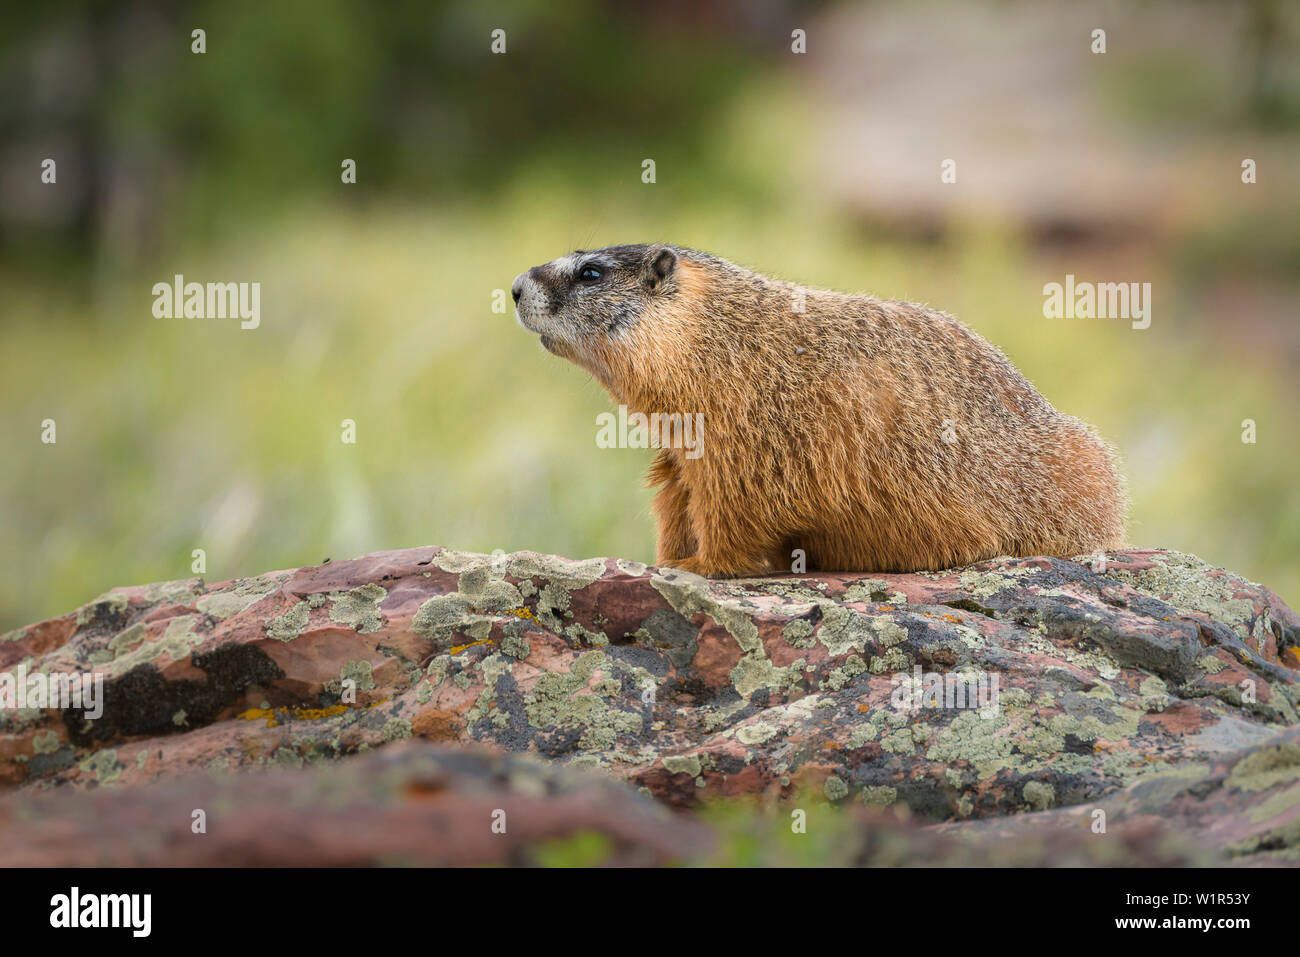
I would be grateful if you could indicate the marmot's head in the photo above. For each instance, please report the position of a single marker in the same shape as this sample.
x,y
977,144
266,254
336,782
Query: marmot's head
x,y
575,299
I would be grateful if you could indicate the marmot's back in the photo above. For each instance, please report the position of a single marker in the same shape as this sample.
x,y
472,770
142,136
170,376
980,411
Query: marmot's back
x,y
875,435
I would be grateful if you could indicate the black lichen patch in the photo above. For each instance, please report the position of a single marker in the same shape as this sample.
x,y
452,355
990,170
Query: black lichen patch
x,y
104,617
49,763
142,702
558,742
1077,745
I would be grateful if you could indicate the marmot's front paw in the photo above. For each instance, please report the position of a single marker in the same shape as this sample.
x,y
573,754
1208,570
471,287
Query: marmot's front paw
x,y
698,566
693,565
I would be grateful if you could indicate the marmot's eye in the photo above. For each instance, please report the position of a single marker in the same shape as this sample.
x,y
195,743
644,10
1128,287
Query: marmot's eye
x,y
589,274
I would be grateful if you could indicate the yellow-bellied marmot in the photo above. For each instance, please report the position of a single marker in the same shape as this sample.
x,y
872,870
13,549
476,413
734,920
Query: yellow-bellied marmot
x,y
875,435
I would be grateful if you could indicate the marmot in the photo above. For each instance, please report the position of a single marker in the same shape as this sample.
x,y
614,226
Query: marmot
x,y
875,435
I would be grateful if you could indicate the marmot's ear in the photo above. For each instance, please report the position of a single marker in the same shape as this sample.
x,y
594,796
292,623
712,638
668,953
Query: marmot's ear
x,y
659,265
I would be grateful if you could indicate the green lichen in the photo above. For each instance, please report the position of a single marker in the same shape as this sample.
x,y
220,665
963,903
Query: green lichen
x,y
442,617
754,672
290,625
835,789
1039,795
578,699
489,594
1266,767
798,633
892,661
125,638
862,735
360,672
582,635
108,605
177,641
843,675
874,590
982,585
491,668
966,636
178,592
756,732
901,741
976,740
239,596
396,729
720,717
103,765
689,595
516,647
1155,694
683,764
879,795
843,630
1211,664
359,607
562,572
1097,661
1185,582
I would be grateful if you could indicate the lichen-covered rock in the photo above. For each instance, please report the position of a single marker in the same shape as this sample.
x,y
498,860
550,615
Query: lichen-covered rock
x,y
1107,673
418,803
414,804
1236,808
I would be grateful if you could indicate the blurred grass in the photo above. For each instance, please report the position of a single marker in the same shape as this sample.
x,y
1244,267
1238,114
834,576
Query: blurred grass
x,y
180,434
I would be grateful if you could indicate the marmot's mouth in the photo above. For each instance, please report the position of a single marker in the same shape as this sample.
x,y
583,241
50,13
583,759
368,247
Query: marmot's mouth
x,y
527,319
525,324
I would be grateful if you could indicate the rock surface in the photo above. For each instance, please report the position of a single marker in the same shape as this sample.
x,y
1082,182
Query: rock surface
x,y
1153,687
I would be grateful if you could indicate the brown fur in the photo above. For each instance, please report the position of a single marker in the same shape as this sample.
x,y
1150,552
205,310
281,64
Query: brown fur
x,y
822,431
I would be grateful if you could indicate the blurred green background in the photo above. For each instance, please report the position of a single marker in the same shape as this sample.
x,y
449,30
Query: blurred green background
x,y
821,167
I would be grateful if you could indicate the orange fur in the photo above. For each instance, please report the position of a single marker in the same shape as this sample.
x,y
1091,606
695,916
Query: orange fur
x,y
823,431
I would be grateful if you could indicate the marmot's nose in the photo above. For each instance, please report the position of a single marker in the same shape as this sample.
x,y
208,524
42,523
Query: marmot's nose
x,y
517,288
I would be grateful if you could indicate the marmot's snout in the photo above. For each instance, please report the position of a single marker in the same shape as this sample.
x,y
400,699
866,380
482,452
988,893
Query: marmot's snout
x,y
530,299
539,304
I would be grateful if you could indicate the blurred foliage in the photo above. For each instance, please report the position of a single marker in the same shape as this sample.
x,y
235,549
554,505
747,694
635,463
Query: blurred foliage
x,y
171,145
807,831
583,849
376,298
